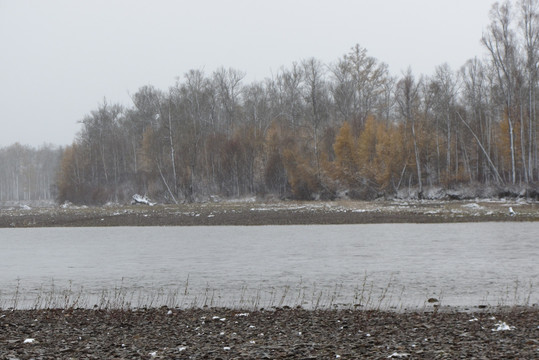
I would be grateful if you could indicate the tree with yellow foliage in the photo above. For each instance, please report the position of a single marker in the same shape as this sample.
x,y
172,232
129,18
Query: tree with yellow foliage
x,y
301,176
346,169
366,149
389,160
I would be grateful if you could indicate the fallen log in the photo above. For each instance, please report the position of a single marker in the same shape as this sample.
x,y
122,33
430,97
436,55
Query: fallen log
x,y
138,199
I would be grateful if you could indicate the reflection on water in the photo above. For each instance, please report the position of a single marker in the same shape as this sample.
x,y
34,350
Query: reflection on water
x,y
375,265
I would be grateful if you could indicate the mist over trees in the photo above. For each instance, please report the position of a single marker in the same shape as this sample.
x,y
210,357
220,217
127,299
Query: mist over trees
x,y
318,131
29,174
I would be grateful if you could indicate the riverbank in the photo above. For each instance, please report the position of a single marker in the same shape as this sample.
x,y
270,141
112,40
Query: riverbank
x,y
250,212
268,334
480,332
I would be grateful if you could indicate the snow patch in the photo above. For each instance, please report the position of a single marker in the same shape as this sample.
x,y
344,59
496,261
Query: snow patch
x,y
502,326
397,355
250,199
139,199
472,206
66,205
261,209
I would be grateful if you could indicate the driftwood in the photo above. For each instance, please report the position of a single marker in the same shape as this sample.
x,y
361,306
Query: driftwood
x,y
138,199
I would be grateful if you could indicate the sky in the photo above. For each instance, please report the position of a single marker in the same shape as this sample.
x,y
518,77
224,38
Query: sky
x,y
59,59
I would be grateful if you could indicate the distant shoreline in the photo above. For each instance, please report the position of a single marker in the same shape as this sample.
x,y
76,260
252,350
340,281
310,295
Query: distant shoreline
x,y
271,213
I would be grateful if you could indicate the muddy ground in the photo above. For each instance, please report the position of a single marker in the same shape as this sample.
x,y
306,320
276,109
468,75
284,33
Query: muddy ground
x,y
271,213
268,334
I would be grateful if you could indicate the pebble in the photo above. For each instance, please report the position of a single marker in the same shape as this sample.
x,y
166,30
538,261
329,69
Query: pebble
x,y
153,333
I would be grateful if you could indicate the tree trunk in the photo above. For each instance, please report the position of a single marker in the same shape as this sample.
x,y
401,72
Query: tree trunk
x,y
417,161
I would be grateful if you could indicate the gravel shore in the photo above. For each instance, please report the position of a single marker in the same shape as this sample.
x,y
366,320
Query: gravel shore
x,y
218,333
271,213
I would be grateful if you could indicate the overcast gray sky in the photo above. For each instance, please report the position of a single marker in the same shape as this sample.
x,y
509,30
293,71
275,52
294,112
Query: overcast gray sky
x,y
59,59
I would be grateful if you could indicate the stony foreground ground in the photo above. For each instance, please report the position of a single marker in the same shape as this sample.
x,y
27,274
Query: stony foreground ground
x,y
217,333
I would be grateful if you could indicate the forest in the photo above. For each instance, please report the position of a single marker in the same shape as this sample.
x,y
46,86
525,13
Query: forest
x,y
312,131
29,174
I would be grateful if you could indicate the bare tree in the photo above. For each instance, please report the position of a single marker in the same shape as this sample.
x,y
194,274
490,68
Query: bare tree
x,y
407,97
28,173
444,88
194,99
360,85
316,98
288,90
501,44
475,99
529,25
228,86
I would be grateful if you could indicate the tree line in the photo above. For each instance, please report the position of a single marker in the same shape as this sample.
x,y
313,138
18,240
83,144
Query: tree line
x,y
320,131
29,174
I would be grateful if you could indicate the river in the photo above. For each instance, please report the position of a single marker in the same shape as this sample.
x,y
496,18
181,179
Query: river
x,y
390,266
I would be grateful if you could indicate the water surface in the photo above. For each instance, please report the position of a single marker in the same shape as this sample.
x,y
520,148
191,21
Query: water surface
x,y
322,265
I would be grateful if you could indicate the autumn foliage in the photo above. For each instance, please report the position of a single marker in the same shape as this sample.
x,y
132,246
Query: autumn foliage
x,y
315,131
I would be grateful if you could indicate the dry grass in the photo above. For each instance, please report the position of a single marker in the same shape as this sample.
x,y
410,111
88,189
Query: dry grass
x,y
365,296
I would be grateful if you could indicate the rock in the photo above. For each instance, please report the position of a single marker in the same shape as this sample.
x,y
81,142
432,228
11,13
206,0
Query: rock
x,y
99,334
